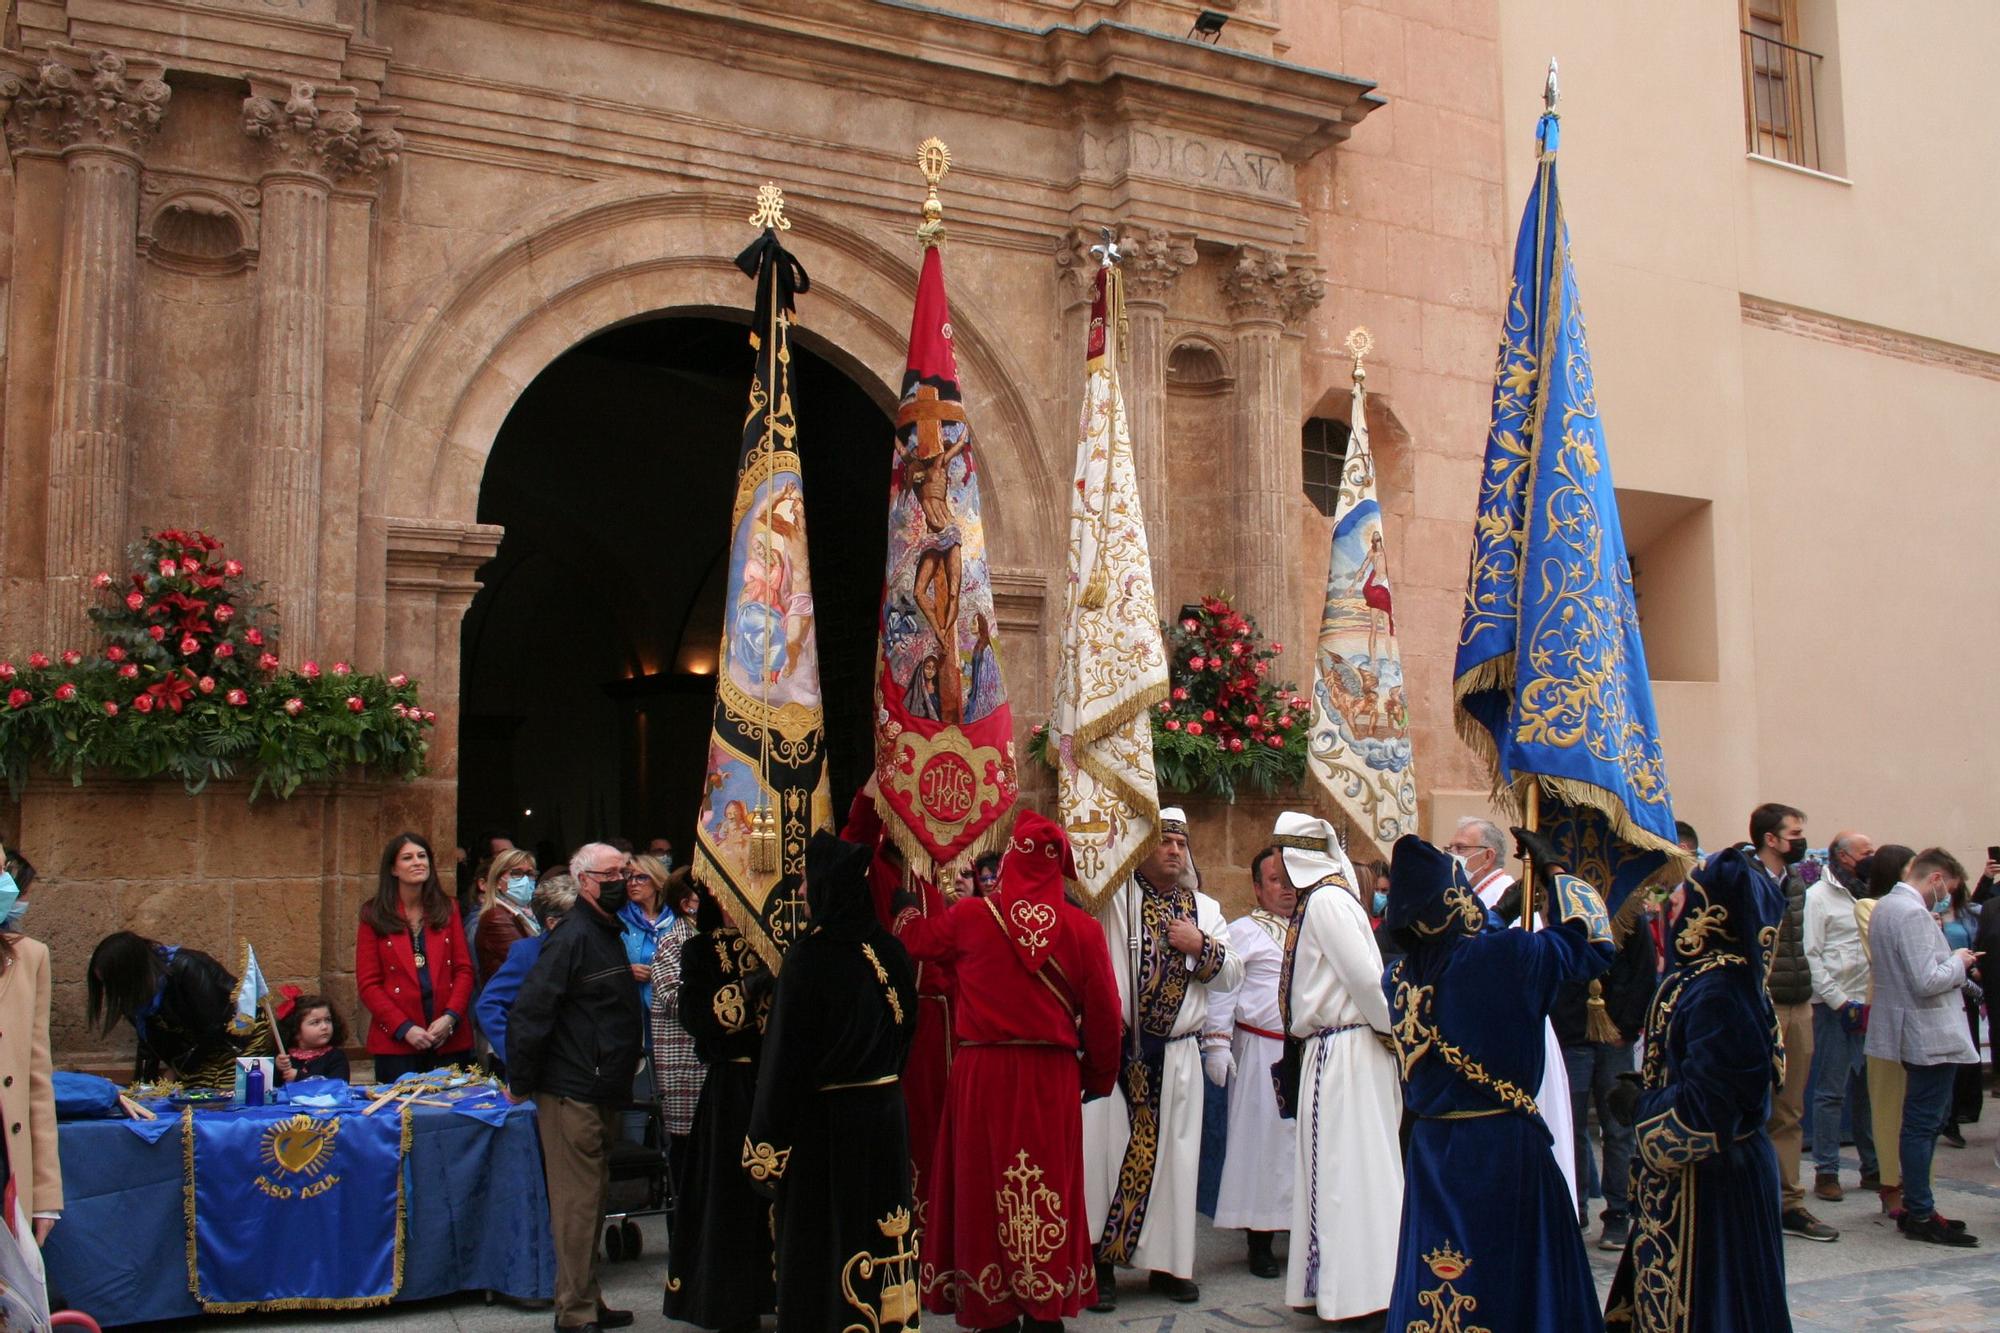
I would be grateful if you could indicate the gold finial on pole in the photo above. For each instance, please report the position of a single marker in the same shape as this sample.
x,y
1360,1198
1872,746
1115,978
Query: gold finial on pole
x,y
934,160
770,208
1360,342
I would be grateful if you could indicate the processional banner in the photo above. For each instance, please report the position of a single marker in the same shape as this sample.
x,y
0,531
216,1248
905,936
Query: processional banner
x,y
766,788
944,733
294,1210
1113,666
1358,747
1551,681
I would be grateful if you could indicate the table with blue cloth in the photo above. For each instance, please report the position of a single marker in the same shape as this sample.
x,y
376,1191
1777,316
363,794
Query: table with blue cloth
x,y
477,1214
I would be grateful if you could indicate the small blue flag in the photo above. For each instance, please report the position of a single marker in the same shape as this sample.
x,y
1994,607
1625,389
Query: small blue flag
x,y
1550,681
251,989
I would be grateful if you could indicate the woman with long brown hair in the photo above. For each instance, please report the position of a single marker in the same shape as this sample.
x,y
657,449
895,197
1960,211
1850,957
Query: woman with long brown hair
x,y
411,965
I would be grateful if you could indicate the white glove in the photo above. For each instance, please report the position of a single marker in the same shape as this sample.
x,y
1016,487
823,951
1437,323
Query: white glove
x,y
1218,1064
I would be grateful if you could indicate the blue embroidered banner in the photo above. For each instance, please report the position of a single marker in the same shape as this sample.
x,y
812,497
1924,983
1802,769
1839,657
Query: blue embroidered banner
x,y
294,1210
1551,681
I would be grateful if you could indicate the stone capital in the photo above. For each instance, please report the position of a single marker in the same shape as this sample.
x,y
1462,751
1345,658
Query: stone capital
x,y
1153,258
322,132
1262,286
69,97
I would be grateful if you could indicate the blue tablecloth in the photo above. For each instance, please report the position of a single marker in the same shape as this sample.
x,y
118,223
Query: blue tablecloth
x,y
478,1216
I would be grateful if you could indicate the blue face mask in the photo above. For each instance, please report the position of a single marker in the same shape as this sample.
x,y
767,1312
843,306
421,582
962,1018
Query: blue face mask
x,y
10,895
521,888
1381,903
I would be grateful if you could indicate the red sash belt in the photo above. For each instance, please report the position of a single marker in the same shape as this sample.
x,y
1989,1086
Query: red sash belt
x,y
1259,1032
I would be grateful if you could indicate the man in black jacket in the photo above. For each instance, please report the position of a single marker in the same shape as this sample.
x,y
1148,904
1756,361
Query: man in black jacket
x,y
573,1041
1597,1022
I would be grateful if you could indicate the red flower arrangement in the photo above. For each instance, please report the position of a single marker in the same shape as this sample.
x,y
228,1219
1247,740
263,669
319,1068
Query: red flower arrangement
x,y
187,683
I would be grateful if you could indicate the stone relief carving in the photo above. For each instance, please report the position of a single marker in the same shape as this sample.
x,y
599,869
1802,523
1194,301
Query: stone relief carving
x,y
1153,258
73,96
198,230
1262,284
321,131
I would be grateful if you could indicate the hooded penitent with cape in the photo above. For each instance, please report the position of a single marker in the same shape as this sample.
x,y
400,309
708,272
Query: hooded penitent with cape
x,y
1705,1252
1037,1023
1489,1235
827,1138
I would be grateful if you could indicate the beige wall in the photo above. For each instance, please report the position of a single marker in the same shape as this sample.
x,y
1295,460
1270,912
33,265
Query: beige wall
x,y
1816,357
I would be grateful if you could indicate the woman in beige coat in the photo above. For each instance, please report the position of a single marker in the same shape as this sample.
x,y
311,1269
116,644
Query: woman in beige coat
x,y
27,1088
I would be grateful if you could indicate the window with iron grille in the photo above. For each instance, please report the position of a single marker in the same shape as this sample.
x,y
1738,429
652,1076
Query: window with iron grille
x,y
1782,89
1324,451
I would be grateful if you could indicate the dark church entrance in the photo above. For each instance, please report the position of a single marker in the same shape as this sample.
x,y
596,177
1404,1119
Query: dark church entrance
x,y
589,655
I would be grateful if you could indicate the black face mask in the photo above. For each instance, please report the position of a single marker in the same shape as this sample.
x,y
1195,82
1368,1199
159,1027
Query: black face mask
x,y
613,894
1795,851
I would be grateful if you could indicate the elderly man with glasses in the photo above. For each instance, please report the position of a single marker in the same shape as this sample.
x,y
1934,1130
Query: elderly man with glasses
x,y
573,1042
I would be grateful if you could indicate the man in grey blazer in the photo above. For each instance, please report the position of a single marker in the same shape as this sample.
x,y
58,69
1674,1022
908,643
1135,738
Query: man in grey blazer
x,y
1917,1018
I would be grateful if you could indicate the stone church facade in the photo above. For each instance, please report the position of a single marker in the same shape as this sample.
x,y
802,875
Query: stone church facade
x,y
280,270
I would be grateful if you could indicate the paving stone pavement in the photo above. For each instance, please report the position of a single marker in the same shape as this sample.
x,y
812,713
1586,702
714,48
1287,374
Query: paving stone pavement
x,y
1871,1279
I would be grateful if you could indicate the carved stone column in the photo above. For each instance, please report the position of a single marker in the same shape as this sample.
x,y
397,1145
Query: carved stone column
x,y
1265,295
99,111
1153,260
313,137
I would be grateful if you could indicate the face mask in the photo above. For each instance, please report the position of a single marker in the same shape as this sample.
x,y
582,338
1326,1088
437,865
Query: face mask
x,y
1795,851
13,921
521,888
10,894
1380,905
1459,861
613,894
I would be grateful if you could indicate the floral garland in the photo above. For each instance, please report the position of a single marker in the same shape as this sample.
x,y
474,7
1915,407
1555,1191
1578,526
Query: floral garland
x,y
188,682
1224,723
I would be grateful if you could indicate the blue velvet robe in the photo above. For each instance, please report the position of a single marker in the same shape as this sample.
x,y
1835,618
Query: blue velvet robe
x,y
1705,1229
1489,1234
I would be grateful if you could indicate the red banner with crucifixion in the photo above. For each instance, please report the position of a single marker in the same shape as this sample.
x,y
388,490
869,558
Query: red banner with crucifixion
x,y
944,734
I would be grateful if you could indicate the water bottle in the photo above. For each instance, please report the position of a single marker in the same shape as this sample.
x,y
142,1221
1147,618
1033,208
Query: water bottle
x,y
253,1085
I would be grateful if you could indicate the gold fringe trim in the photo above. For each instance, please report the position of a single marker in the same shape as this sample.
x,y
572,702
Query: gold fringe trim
x,y
917,857
187,1197
1597,1024
711,877
1122,714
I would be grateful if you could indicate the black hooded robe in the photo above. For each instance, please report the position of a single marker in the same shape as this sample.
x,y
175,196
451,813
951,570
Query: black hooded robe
x,y
829,1135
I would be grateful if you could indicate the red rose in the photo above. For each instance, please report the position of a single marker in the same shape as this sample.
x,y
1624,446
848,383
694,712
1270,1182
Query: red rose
x,y
1236,744
1196,663
1180,693
267,661
100,581
144,703
168,569
110,708
294,706
1253,721
130,671
225,612
1277,647
355,704
1275,742
71,657
430,718
36,661
225,650
189,645
158,632
19,698
1262,666
310,671
6,671
114,653
341,669
1194,728
237,698
65,692
1166,707
1190,625
1284,720
399,680
254,637
206,684
134,600
233,568
1208,715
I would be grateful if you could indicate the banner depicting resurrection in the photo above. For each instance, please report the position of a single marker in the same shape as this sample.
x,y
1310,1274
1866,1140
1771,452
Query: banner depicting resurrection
x,y
766,788
294,1211
1113,666
944,734
1359,744
1551,681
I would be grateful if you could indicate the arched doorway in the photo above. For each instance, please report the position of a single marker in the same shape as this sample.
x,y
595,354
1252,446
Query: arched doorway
x,y
588,657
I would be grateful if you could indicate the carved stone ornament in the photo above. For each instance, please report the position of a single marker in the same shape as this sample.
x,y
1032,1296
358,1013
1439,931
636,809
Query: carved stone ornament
x,y
196,230
1261,284
72,96
321,131
1152,258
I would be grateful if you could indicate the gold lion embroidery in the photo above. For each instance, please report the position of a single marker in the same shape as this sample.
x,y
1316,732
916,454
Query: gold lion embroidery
x,y
1448,1305
763,1161
896,1303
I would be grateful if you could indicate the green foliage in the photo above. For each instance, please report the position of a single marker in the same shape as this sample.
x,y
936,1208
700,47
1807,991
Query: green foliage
x,y
187,683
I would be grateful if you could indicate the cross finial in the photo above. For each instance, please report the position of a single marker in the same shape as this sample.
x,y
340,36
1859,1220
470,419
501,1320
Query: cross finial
x,y
770,208
1359,342
1107,251
934,160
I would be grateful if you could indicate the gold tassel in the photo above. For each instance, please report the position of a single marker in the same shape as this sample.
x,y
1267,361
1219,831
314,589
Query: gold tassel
x,y
763,839
1597,1024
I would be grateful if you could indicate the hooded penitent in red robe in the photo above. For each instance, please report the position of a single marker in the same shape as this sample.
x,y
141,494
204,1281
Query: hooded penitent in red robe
x,y
1037,1023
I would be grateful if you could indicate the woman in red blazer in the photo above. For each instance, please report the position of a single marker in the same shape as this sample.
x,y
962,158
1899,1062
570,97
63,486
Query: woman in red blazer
x,y
412,966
